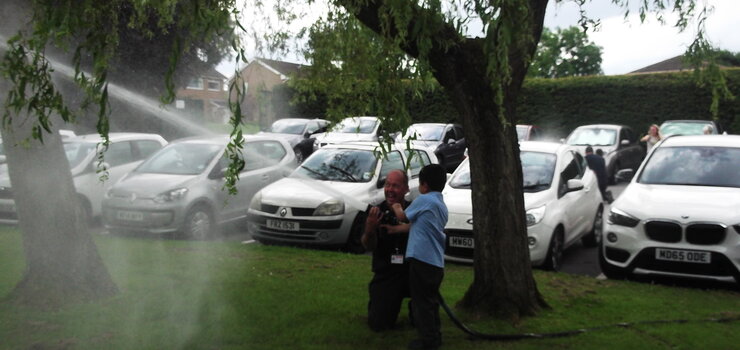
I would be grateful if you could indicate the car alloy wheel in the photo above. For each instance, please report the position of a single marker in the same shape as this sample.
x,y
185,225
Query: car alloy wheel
x,y
555,251
593,238
198,224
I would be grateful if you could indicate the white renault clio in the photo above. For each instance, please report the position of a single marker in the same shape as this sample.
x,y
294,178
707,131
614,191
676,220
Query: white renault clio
x,y
323,202
561,199
680,214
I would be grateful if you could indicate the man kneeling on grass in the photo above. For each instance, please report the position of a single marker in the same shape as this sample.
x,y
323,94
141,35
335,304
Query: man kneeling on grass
x,y
425,253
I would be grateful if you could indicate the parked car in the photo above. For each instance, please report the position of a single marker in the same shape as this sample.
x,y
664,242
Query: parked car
x,y
350,129
561,198
679,215
688,127
526,132
181,187
65,134
619,143
446,141
324,201
125,152
299,133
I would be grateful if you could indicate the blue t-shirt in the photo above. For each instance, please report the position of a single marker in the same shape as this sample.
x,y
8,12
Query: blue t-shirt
x,y
428,217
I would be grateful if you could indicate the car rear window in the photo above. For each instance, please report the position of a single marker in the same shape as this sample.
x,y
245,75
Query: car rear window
x,y
694,166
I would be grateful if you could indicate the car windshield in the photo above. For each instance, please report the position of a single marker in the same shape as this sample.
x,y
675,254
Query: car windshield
x,y
356,125
682,128
538,169
593,137
426,132
77,152
285,126
181,159
335,164
695,166
521,132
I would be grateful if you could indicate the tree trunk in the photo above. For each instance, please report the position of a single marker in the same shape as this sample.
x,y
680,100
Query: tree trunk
x,y
62,260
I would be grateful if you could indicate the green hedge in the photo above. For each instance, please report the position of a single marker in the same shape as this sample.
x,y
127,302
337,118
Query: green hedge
x,y
560,105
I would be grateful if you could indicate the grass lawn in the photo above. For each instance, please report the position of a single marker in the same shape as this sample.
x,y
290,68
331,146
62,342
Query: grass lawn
x,y
221,295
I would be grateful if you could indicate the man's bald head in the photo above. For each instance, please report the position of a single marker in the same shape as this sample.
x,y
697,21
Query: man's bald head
x,y
396,186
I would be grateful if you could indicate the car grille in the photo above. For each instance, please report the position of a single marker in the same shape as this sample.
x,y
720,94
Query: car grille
x,y
302,211
705,234
662,231
267,208
458,252
720,265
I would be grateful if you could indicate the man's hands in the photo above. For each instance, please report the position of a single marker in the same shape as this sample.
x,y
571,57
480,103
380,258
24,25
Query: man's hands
x,y
369,238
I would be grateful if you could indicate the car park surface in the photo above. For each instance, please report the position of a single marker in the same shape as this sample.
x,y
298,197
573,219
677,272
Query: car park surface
x,y
124,153
181,187
618,142
679,215
562,203
323,202
446,141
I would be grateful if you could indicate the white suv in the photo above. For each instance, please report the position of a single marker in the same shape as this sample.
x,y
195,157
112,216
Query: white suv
x,y
680,215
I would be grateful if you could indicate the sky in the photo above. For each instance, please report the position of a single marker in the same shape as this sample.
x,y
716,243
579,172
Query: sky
x,y
628,45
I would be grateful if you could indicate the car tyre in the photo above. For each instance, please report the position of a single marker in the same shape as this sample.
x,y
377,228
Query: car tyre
x,y
593,238
354,240
554,258
199,224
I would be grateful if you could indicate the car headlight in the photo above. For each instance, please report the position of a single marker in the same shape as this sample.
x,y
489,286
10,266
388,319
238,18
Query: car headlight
x,y
171,195
330,207
535,215
618,217
256,203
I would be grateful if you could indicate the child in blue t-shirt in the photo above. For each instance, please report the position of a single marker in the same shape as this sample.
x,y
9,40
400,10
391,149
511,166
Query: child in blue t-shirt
x,y
425,253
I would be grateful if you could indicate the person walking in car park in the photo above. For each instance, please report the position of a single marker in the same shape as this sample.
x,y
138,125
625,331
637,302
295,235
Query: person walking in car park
x,y
390,283
652,137
598,165
427,217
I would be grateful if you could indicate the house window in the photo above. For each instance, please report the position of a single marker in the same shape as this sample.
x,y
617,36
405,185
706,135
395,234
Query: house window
x,y
196,84
214,85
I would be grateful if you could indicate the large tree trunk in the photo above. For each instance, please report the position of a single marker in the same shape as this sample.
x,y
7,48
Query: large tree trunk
x,y
62,260
503,282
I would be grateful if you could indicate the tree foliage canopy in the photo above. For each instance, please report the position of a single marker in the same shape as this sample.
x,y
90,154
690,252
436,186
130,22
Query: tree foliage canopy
x,y
565,53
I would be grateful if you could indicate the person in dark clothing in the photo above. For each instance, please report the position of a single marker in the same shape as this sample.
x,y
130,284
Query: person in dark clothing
x,y
598,165
390,283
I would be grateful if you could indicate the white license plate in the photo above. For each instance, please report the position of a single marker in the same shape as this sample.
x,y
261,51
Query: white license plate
x,y
283,225
8,208
130,215
462,242
689,256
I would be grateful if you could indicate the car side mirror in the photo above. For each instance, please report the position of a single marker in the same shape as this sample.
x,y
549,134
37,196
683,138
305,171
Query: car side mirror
x,y
381,182
624,175
575,185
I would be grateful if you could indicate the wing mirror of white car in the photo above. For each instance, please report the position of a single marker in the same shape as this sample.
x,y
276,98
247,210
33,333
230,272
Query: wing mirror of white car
x,y
624,175
575,185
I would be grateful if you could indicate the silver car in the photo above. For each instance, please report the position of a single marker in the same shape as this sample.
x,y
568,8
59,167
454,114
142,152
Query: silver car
x,y
181,187
124,153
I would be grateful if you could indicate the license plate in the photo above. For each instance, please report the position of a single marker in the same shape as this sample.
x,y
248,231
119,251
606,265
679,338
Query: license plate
x,y
283,225
462,242
129,215
689,256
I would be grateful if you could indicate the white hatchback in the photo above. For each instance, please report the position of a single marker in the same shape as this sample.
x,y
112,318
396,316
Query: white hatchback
x,y
680,214
324,201
561,199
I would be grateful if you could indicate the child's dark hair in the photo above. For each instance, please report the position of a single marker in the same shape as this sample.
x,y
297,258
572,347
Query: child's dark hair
x,y
434,175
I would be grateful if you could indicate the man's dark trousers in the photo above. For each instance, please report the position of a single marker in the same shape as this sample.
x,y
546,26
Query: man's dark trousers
x,y
424,282
387,290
